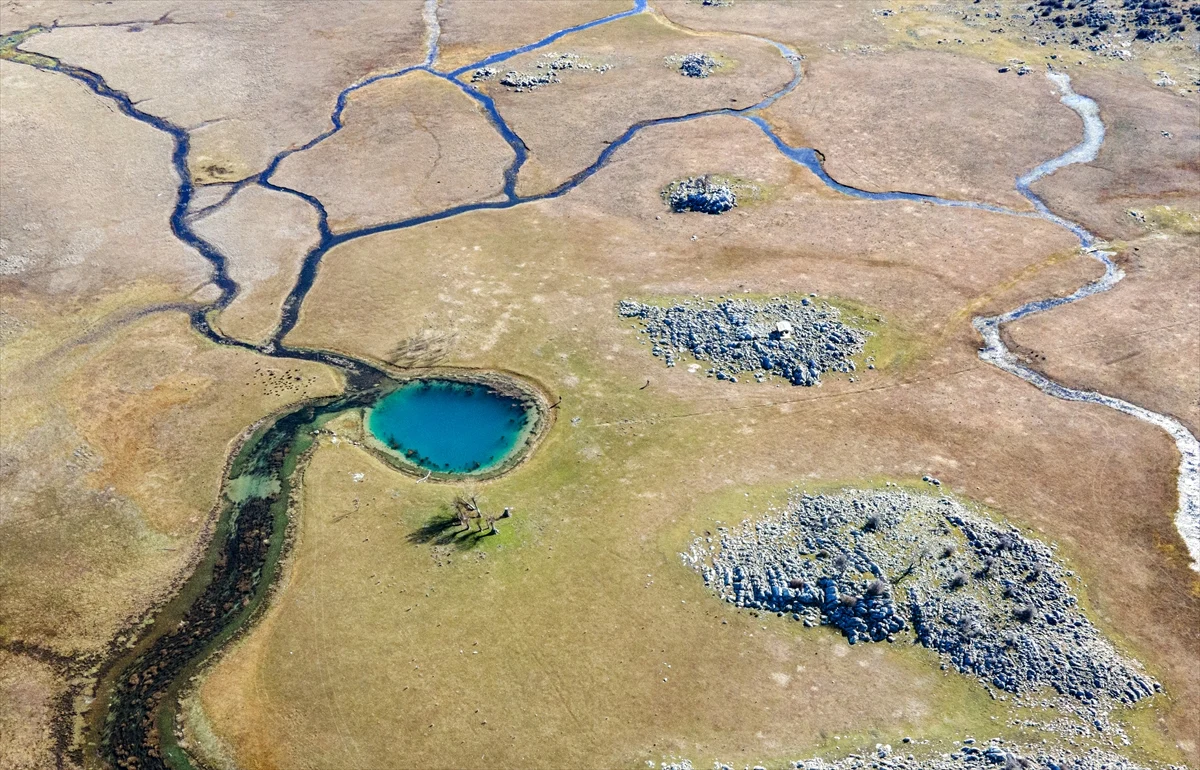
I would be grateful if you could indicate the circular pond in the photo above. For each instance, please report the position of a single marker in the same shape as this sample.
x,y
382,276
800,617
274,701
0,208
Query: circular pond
x,y
452,426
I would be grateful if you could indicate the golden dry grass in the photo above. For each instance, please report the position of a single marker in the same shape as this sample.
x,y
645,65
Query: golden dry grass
x,y
113,462
28,689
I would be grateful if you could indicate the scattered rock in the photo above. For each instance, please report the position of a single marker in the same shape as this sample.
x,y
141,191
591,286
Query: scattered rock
x,y
527,81
996,753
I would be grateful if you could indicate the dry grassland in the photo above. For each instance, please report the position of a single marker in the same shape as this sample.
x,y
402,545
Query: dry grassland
x,y
412,145
474,29
977,130
566,125
572,653
575,637
246,83
1139,165
264,236
1140,341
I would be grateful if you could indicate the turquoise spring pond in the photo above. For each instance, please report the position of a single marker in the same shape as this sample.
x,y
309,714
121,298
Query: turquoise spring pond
x,y
447,426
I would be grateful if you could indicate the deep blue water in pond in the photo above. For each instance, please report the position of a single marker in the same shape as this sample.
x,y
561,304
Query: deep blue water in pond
x,y
449,427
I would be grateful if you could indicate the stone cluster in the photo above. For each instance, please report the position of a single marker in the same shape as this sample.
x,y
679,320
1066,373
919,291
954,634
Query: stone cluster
x,y
528,81
1116,28
1147,19
996,753
798,340
704,194
547,69
694,65
994,603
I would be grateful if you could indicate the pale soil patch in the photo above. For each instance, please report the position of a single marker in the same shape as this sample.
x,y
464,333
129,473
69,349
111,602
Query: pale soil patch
x,y
112,460
1140,341
27,692
264,85
264,235
87,194
475,29
412,145
1137,165
930,123
567,125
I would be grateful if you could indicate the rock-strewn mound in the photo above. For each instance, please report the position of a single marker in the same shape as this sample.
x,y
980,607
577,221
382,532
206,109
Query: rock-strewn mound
x,y
798,340
694,65
995,753
994,603
704,194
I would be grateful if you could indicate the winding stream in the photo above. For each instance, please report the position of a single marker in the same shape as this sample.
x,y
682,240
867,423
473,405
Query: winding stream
x,y
138,695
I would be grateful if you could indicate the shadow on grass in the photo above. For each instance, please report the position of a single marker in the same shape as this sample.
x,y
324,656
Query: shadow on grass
x,y
444,529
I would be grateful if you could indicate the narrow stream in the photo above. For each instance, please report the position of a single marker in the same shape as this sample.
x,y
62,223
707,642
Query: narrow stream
x,y
137,699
